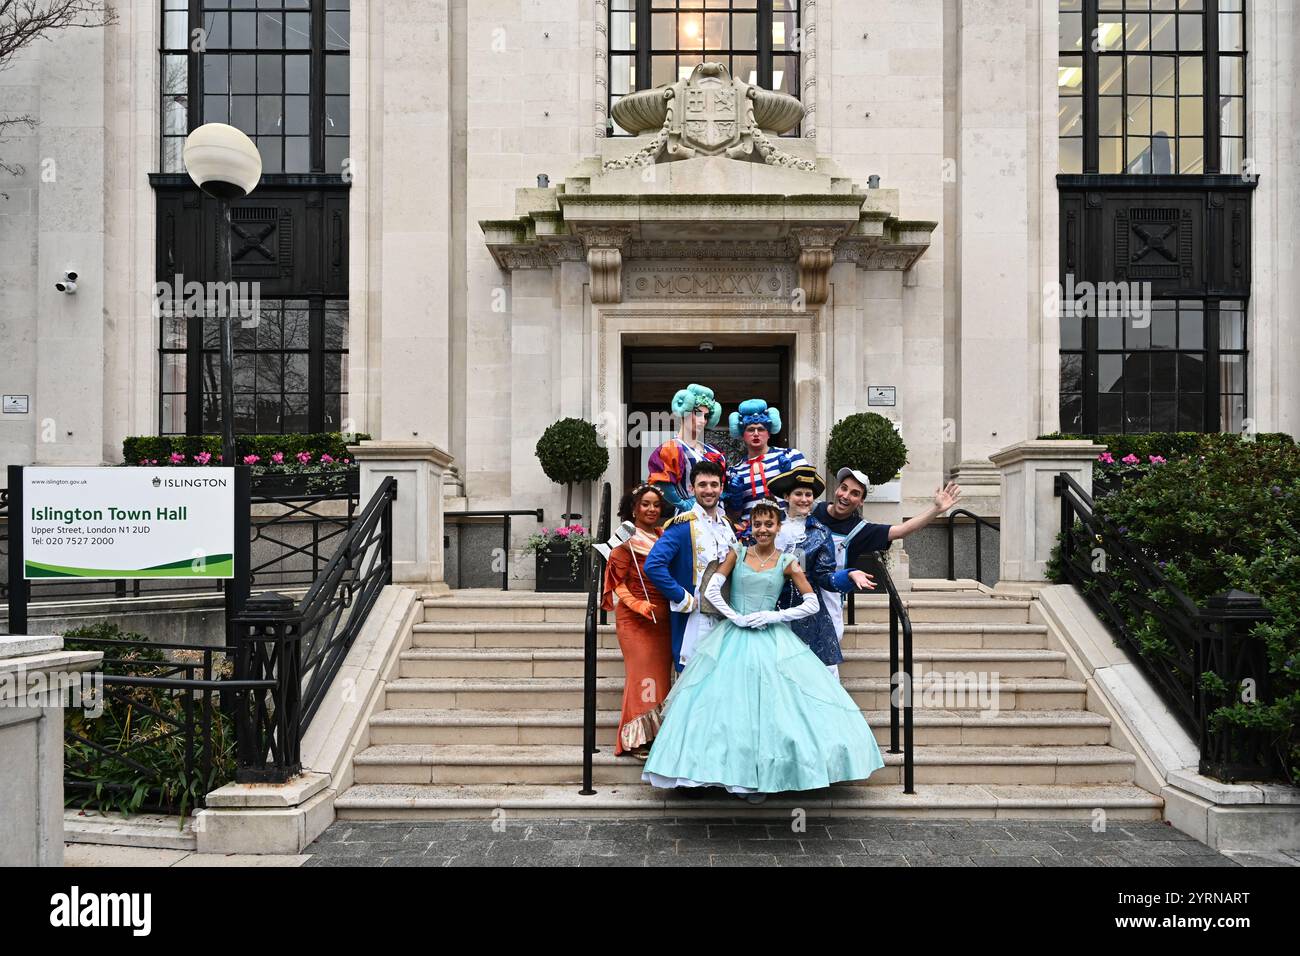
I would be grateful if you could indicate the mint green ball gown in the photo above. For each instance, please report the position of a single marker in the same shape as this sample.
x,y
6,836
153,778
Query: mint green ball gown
x,y
755,711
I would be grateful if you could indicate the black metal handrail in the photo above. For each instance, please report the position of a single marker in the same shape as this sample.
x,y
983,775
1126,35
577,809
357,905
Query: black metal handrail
x,y
1120,584
900,681
979,549
301,647
506,514
1091,551
595,584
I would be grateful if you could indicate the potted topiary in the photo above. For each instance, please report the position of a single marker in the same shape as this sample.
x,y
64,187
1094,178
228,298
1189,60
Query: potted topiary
x,y
570,452
870,443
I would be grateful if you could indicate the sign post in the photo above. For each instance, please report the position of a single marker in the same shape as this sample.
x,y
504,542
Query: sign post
x,y
17,583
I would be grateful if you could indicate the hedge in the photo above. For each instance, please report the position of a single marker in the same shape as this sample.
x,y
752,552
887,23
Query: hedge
x,y
160,447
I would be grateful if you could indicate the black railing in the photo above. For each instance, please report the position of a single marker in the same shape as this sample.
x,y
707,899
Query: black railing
x,y
164,738
299,648
595,584
900,679
1173,641
979,544
505,515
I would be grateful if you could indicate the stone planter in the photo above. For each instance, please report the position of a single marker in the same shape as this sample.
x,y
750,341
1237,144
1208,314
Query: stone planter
x,y
555,571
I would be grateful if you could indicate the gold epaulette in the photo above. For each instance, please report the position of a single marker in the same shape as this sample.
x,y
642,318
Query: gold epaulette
x,y
683,516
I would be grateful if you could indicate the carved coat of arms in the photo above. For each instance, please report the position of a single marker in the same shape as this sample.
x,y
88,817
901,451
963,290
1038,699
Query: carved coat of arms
x,y
708,116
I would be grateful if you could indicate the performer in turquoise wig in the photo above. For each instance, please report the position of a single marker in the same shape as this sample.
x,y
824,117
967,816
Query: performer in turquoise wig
x,y
754,423
671,463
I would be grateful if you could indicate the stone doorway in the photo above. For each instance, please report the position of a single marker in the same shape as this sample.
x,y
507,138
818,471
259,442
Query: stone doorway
x,y
651,374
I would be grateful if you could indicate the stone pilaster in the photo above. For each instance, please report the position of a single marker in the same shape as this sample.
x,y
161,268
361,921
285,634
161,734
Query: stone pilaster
x,y
419,468
1031,511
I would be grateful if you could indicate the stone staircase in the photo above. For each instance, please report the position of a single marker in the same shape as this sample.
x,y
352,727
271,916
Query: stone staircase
x,y
486,713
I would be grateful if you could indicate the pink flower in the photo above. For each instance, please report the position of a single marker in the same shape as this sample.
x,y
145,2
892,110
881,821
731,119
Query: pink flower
x,y
153,461
278,458
221,458
1106,458
1156,459
203,457
347,461
144,461
176,458
1130,459
564,532
326,460
251,459
303,457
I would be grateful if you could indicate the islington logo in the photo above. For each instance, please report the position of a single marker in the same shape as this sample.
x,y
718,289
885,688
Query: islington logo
x,y
190,482
75,909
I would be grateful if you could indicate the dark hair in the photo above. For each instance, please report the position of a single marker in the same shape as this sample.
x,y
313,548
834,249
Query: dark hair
x,y
766,508
707,467
627,505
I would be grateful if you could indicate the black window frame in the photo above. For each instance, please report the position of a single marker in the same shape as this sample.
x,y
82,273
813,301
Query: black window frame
x,y
1211,56
643,50
319,53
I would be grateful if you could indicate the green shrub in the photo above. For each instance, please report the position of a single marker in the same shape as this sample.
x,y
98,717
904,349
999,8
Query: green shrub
x,y
868,442
159,448
570,452
156,773
1226,517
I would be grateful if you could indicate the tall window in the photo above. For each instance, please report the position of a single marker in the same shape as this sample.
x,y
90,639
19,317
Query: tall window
x,y
1152,86
276,69
1154,373
654,42
290,369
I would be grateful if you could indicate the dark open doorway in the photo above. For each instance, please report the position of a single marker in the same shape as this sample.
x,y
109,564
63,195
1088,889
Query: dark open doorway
x,y
652,374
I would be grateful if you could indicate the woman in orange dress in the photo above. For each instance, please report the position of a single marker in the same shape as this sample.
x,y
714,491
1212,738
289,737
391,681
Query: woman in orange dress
x,y
642,622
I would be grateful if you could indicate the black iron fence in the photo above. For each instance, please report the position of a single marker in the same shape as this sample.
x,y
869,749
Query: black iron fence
x,y
159,737
293,650
1172,640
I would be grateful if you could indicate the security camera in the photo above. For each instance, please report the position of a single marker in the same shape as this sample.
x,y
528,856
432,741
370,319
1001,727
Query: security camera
x,y
69,283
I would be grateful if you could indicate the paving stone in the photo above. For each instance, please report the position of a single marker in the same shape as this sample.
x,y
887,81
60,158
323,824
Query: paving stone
x,y
742,859
624,860
1020,847
865,859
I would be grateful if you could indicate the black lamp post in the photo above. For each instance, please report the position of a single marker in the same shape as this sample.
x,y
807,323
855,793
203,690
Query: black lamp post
x,y
226,165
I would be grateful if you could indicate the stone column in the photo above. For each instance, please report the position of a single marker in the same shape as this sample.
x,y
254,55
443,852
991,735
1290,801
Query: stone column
x,y
1001,264
417,512
1031,511
36,675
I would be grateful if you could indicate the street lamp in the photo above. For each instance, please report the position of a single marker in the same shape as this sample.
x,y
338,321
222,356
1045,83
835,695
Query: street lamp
x,y
225,164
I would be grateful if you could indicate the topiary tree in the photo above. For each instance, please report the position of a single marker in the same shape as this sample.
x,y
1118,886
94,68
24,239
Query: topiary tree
x,y
570,451
867,442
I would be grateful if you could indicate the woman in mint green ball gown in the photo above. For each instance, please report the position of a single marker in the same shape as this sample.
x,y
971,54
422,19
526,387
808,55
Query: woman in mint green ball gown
x,y
755,711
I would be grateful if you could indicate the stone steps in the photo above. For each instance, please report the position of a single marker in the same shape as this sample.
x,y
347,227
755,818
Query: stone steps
x,y
488,728
486,716
872,693
471,764
1000,635
568,662
868,609
970,801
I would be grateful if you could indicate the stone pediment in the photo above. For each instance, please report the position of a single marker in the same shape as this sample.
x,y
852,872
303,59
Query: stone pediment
x,y
709,197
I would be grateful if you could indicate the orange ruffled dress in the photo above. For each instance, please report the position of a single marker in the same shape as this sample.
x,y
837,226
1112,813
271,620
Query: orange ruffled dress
x,y
646,643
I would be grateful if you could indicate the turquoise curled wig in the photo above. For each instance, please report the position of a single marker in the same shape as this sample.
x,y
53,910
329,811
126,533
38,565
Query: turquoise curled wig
x,y
694,396
754,411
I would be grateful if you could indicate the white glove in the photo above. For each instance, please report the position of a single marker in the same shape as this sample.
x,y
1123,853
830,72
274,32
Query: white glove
x,y
714,593
806,609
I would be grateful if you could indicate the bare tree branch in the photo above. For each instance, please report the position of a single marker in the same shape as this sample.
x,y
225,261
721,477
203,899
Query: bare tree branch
x,y
22,21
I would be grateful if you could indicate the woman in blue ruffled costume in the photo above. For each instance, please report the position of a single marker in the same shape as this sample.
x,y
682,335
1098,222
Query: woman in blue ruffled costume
x,y
755,711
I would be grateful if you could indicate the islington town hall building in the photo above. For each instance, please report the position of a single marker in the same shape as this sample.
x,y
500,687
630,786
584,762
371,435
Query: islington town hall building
x,y
478,217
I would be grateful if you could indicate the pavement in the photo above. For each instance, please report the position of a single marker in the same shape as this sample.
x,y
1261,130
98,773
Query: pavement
x,y
721,842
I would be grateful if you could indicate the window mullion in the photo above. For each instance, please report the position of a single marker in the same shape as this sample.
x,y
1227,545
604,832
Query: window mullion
x,y
643,44
1213,160
765,44
1091,92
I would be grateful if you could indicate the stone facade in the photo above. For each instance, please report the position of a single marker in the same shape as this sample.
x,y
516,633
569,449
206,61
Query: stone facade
x,y
483,307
